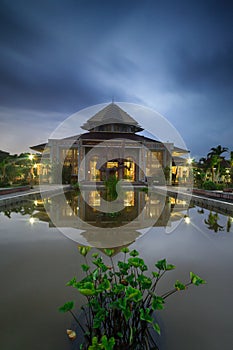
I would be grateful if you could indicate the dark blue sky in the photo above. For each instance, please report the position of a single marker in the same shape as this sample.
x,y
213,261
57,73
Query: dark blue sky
x,y
59,56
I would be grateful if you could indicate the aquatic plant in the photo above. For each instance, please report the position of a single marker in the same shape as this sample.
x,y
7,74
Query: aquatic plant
x,y
122,301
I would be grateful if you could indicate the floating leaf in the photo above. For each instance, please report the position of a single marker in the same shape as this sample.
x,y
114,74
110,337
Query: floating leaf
x,y
71,334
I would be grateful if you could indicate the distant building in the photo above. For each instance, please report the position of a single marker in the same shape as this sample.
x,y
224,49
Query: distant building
x,y
113,145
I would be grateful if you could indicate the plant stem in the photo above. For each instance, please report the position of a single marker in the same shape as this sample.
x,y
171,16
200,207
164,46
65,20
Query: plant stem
x,y
166,295
77,321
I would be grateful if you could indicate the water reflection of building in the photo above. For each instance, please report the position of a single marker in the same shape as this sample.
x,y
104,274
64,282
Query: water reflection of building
x,y
112,145
83,221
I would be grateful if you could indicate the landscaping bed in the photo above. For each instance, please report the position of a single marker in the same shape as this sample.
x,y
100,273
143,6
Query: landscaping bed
x,y
9,190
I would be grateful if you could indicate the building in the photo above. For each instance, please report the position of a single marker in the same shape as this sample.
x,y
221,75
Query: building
x,y
113,144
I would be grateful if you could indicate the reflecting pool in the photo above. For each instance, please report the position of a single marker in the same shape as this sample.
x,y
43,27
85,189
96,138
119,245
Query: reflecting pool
x,y
39,255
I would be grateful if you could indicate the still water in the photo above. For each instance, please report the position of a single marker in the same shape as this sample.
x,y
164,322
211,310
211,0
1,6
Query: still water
x,y
38,242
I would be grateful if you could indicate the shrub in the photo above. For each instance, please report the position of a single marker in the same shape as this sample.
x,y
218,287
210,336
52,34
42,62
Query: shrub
x,y
209,185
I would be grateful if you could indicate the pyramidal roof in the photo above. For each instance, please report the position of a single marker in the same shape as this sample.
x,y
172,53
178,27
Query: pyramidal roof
x,y
111,114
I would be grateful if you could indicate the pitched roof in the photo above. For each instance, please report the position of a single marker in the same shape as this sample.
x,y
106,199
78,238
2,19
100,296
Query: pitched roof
x,y
111,114
112,135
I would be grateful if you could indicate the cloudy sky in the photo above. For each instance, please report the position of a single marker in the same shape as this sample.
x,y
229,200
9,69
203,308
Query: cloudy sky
x,y
59,56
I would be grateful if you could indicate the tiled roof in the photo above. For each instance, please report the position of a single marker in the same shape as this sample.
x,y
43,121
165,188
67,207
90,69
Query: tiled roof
x,y
111,136
111,114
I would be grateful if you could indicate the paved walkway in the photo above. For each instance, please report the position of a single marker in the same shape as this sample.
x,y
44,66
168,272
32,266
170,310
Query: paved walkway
x,y
10,198
183,192
200,200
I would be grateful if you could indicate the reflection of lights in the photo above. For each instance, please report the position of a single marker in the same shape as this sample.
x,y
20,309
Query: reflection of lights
x,y
36,202
154,201
77,208
187,219
32,221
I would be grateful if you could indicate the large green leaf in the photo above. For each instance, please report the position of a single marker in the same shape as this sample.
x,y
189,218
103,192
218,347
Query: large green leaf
x,y
109,252
105,285
163,265
179,285
108,343
134,253
133,294
120,304
145,315
196,279
144,281
118,288
86,288
99,262
136,262
83,250
127,313
125,250
85,267
72,282
95,345
157,328
124,267
67,306
157,303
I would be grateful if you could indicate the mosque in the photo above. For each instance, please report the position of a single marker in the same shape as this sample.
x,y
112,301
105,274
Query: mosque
x,y
113,144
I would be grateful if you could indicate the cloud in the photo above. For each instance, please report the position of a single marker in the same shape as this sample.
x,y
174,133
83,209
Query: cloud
x,y
58,57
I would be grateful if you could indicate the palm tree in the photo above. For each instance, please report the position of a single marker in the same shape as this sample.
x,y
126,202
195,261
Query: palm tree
x,y
215,158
